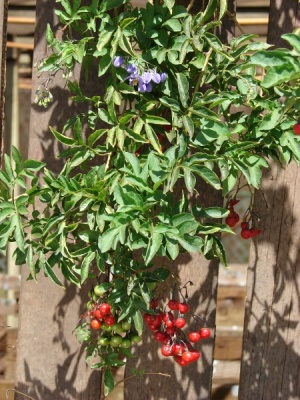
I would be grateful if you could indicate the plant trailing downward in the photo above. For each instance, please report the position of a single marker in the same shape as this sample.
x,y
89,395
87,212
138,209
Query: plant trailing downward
x,y
179,108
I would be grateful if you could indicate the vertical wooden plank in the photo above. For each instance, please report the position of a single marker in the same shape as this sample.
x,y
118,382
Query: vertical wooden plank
x,y
50,361
3,33
270,367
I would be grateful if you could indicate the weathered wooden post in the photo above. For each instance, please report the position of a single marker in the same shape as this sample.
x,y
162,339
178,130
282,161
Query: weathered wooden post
x,y
270,367
50,364
3,32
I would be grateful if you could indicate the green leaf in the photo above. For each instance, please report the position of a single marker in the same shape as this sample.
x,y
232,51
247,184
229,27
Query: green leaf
x,y
170,103
51,274
8,167
107,5
17,157
33,165
170,4
49,35
183,88
77,132
107,239
173,24
293,40
153,119
207,175
5,179
61,138
85,266
133,161
138,321
153,139
30,261
18,232
188,125
222,8
108,378
153,246
209,11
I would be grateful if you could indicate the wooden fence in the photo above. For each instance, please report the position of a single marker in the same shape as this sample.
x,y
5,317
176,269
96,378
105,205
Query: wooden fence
x,y
270,349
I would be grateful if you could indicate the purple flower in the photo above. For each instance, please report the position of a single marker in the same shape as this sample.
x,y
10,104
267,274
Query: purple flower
x,y
144,86
118,61
156,78
163,76
146,77
133,71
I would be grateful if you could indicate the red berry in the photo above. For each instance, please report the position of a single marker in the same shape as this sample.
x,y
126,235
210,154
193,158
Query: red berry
x,y
173,304
232,219
147,318
168,317
180,322
195,354
153,327
159,336
244,225
166,350
171,330
95,324
233,202
98,314
167,128
178,349
183,308
188,356
246,233
194,337
156,320
169,324
105,308
154,304
180,361
296,129
204,333
110,320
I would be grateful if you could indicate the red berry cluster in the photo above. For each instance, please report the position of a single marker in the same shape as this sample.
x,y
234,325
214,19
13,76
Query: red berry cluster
x,y
233,217
167,329
248,232
101,313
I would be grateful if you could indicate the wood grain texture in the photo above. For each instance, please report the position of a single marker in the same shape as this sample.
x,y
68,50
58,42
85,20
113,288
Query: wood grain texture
x,y
3,33
271,349
270,367
50,362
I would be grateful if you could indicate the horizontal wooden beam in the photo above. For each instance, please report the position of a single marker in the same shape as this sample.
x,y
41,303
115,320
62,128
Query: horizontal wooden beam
x,y
21,20
19,45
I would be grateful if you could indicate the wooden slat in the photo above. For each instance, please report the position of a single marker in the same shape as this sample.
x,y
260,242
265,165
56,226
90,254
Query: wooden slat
x,y
21,20
19,45
228,345
226,373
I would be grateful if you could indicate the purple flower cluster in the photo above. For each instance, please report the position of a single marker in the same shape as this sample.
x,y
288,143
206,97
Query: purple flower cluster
x,y
143,81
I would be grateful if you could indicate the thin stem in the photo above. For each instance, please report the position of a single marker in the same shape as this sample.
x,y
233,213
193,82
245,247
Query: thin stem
x,y
199,81
17,391
190,5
